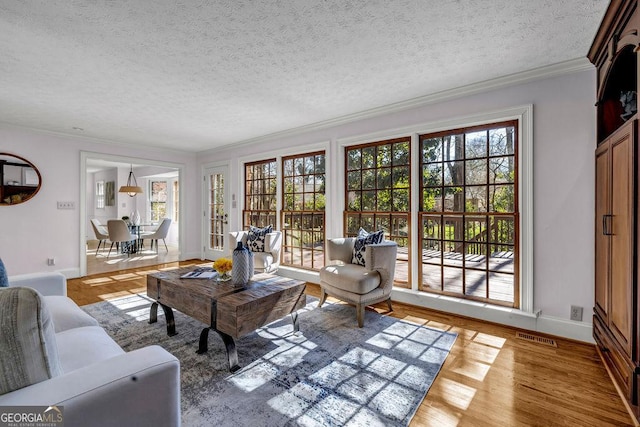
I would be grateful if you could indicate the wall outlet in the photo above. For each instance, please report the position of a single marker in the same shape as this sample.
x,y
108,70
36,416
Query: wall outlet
x,y
576,313
51,261
66,205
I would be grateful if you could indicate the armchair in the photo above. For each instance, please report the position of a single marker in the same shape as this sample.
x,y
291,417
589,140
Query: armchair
x,y
354,283
263,262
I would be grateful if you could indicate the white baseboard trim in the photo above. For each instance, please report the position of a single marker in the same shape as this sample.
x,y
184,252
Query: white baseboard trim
x,y
70,273
190,255
579,331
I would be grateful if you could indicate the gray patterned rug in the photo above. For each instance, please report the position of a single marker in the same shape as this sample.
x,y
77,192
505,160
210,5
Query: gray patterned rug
x,y
331,373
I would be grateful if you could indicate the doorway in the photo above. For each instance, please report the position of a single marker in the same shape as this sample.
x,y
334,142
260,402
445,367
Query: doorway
x,y
216,227
161,183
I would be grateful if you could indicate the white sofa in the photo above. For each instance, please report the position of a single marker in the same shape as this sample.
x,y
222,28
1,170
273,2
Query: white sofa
x,y
97,383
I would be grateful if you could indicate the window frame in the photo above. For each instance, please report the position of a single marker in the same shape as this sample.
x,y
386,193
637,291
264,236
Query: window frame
x,y
391,216
152,202
465,215
283,212
265,216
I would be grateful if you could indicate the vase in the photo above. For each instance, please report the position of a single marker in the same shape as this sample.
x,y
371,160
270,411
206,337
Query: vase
x,y
135,218
242,265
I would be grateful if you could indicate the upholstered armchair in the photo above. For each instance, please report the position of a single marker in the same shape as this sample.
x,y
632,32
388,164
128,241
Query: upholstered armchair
x,y
263,262
354,283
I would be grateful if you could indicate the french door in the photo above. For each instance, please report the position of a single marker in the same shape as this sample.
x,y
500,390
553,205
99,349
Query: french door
x,y
216,207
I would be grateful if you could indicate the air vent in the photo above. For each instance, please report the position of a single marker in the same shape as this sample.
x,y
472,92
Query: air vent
x,y
536,339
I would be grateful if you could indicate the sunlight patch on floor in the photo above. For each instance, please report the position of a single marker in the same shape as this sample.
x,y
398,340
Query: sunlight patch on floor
x,y
456,394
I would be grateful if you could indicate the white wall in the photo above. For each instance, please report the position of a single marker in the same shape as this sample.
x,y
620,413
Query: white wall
x,y
36,230
564,143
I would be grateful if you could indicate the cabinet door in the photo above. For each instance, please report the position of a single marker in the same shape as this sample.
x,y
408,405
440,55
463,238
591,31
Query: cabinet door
x,y
622,231
602,239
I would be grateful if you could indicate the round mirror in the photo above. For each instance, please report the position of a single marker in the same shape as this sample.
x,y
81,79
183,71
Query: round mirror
x,y
19,179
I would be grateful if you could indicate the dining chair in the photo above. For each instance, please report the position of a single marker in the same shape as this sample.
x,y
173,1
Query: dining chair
x,y
118,233
101,234
160,233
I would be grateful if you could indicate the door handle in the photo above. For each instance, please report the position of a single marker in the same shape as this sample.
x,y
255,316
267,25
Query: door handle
x,y
607,222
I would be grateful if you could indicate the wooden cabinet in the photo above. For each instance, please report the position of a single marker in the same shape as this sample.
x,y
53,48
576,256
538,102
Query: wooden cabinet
x,y
616,317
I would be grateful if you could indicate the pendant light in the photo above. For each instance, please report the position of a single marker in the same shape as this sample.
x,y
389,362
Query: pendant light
x,y
132,185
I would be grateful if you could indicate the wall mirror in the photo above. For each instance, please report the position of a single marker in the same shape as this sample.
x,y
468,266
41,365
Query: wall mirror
x,y
20,180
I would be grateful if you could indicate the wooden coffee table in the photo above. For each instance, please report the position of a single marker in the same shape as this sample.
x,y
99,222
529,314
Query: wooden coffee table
x,y
231,311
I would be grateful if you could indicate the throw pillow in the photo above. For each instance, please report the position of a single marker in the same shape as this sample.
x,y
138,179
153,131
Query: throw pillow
x,y
365,238
4,280
256,237
28,350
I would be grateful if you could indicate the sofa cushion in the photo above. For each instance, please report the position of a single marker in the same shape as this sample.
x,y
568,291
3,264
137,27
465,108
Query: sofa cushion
x,y
262,260
4,280
350,277
28,351
80,347
256,237
365,238
66,314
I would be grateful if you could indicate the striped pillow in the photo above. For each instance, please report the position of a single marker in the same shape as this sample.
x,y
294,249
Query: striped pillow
x,y
28,350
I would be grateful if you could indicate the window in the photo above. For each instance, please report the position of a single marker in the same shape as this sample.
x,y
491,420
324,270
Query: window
x,y
260,194
469,213
158,198
176,201
100,195
303,205
377,195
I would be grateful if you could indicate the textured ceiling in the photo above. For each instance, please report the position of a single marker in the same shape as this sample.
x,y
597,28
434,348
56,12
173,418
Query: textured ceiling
x,y
196,74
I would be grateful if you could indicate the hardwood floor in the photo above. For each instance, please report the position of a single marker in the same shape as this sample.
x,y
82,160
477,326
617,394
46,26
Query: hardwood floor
x,y
101,263
491,378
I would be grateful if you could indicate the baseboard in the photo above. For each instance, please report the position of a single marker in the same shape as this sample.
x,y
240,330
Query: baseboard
x,y
70,273
579,331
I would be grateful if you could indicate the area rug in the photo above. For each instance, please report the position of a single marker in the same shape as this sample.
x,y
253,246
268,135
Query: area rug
x,y
331,373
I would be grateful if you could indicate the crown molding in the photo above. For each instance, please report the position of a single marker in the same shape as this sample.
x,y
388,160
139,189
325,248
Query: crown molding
x,y
549,71
133,145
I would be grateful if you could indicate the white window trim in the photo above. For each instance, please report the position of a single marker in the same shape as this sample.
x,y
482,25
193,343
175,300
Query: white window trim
x,y
524,115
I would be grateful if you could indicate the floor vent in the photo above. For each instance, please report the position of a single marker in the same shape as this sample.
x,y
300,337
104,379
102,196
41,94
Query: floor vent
x,y
536,339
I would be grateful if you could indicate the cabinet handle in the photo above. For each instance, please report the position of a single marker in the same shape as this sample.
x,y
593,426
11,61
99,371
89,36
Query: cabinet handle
x,y
607,221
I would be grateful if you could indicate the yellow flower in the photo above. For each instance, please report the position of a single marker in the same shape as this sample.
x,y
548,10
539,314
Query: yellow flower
x,y
223,265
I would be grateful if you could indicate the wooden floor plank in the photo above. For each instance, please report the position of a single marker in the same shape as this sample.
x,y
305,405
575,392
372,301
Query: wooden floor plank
x,y
490,377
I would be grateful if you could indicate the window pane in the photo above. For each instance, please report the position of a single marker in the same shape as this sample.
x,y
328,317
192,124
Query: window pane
x,y
476,172
502,198
476,199
354,158
432,174
476,144
501,170
453,173
501,141
353,180
432,200
432,150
